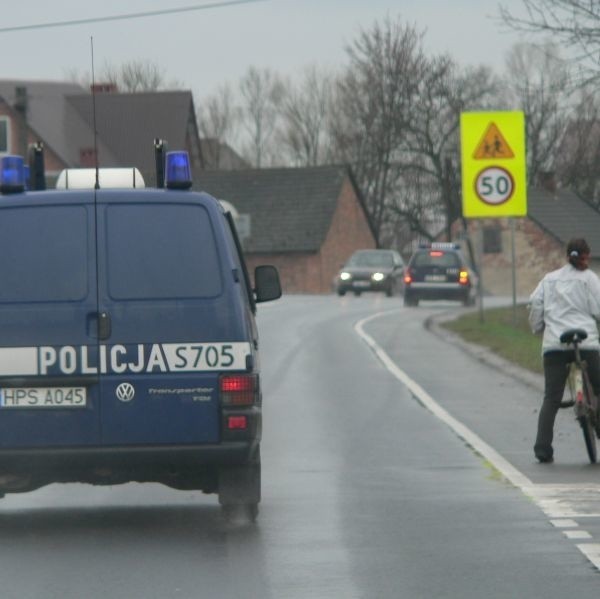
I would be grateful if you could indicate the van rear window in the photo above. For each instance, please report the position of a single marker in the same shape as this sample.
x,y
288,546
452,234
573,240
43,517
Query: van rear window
x,y
43,254
161,251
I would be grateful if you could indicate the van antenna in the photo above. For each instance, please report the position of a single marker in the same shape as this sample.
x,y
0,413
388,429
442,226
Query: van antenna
x,y
97,183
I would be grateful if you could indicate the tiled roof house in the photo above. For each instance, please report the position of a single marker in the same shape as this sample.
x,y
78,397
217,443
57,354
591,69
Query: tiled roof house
x,y
60,115
305,221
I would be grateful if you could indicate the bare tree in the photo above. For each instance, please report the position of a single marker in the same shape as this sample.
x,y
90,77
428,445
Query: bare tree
x,y
140,76
217,118
415,208
261,93
304,117
578,162
572,23
396,121
537,81
432,144
374,104
133,76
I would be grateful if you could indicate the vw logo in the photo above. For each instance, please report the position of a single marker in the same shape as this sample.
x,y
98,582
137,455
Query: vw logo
x,y
125,392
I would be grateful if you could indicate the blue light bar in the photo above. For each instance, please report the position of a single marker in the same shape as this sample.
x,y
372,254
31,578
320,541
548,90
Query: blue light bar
x,y
178,174
12,174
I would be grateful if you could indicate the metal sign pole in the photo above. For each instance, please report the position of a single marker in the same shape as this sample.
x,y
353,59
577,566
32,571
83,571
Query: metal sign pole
x,y
480,273
514,270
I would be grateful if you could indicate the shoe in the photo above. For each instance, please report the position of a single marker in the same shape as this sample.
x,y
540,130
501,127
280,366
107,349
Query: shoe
x,y
545,459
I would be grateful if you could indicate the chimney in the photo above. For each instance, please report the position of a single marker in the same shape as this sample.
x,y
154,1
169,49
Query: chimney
x,y
547,180
104,88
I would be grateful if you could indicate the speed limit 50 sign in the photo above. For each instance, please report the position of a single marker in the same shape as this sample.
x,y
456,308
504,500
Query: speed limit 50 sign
x,y
493,164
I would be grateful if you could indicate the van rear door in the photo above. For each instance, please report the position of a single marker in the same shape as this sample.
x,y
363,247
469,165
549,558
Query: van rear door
x,y
172,325
48,320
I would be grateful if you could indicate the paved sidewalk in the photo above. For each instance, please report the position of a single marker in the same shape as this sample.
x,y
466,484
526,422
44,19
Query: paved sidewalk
x,y
483,354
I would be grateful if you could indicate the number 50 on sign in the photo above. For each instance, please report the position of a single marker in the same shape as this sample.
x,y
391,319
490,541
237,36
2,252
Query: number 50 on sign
x,y
494,185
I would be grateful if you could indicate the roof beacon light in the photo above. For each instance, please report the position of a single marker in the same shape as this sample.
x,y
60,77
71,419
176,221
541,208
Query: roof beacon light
x,y
12,174
178,174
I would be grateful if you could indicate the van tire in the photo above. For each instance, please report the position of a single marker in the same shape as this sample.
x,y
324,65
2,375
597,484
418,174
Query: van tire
x,y
243,513
239,489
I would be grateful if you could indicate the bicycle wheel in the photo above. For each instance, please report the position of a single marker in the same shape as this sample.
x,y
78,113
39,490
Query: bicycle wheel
x,y
589,436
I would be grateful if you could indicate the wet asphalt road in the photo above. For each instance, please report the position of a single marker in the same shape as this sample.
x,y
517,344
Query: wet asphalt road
x,y
365,493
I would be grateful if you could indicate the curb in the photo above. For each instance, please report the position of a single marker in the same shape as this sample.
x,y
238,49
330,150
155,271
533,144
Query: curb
x,y
480,353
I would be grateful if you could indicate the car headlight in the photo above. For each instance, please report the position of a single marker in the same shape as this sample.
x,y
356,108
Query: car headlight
x,y
344,276
378,276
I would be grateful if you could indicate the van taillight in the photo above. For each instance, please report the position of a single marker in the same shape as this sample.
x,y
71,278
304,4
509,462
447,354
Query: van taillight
x,y
239,423
238,389
463,277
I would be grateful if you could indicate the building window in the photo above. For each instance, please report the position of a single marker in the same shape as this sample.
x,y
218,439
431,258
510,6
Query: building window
x,y
4,134
492,240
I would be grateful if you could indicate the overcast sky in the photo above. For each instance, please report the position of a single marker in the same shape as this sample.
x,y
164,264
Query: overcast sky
x,y
206,48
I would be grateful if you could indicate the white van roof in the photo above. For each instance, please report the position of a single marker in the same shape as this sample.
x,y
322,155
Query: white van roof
x,y
108,178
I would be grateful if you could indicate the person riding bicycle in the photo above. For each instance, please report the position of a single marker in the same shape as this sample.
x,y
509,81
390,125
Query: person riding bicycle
x,y
567,298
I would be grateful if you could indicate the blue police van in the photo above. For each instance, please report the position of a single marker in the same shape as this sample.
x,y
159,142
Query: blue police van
x,y
128,344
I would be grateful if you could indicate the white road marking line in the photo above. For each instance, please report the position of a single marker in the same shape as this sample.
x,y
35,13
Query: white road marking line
x,y
592,552
564,523
545,496
577,534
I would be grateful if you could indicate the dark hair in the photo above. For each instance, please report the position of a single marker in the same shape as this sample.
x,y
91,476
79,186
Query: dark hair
x,y
576,248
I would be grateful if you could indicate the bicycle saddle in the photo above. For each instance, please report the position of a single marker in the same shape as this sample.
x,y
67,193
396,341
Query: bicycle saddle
x,y
573,335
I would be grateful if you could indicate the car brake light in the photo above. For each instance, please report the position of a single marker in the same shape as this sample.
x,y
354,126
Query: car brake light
x,y
237,423
238,389
463,277
436,254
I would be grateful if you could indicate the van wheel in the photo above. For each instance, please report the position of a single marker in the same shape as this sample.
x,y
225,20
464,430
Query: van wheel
x,y
239,490
242,513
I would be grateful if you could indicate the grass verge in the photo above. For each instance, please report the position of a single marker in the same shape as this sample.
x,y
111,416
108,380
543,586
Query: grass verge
x,y
503,330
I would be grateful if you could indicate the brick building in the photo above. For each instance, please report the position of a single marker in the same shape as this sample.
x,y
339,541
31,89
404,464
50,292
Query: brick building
x,y
304,221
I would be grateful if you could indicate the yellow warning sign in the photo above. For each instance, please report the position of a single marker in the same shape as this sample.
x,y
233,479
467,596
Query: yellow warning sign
x,y
493,145
493,164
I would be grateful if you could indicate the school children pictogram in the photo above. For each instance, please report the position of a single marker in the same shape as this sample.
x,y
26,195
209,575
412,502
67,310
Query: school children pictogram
x,y
493,145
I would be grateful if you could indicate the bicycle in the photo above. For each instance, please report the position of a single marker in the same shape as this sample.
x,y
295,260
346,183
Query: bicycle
x,y
583,398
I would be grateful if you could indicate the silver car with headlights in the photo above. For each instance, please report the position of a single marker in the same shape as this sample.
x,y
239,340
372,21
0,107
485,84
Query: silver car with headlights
x,y
371,270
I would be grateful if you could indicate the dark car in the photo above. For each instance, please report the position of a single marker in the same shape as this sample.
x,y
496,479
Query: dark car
x,y
371,270
439,272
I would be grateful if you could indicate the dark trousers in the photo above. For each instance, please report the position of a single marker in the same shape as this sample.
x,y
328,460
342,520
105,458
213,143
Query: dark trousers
x,y
555,377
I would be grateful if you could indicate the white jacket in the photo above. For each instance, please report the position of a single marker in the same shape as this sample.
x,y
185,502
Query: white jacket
x,y
564,299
